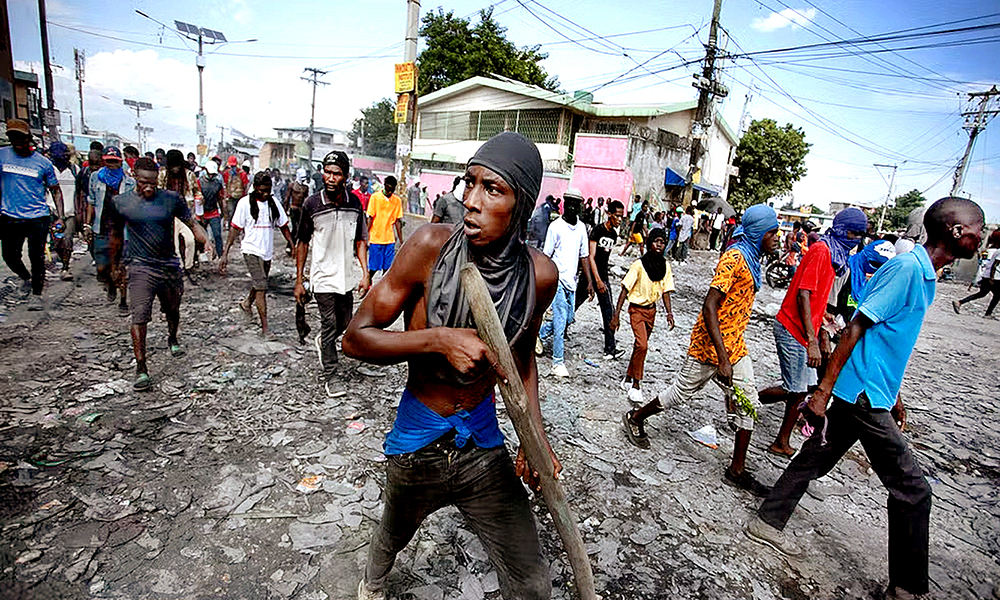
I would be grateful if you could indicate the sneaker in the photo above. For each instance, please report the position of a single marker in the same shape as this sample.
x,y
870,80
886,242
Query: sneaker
x,y
560,370
35,303
614,355
366,594
635,396
759,531
955,304
176,350
539,348
626,384
746,481
635,432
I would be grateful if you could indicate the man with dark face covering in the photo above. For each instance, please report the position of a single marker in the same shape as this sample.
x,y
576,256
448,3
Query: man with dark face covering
x,y
445,447
566,244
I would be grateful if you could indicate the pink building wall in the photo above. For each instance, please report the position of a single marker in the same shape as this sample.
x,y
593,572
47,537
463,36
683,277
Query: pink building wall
x,y
600,167
440,182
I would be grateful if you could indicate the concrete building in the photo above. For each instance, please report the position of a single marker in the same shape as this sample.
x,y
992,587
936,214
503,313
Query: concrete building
x,y
324,140
6,67
614,151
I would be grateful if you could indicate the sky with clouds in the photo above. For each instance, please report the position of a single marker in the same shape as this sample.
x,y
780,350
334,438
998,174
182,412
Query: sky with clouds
x,y
859,103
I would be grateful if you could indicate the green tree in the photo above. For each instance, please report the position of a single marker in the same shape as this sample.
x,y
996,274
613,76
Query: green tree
x,y
379,130
457,50
770,159
895,217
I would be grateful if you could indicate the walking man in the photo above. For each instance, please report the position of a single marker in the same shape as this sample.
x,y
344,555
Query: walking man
x,y
638,229
541,218
446,447
236,182
333,222
718,350
989,277
566,244
257,215
602,241
718,220
24,215
684,232
448,209
66,174
385,226
154,270
211,194
862,379
797,326
107,183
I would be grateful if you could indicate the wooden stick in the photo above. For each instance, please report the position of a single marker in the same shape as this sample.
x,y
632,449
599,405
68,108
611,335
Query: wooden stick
x,y
516,399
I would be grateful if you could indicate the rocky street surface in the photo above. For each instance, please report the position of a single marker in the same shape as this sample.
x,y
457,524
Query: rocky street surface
x,y
238,476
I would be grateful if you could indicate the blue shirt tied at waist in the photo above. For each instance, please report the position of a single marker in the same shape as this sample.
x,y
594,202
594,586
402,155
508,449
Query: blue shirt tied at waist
x,y
417,426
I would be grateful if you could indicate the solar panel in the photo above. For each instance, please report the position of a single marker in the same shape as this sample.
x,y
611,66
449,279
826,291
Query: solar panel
x,y
186,27
219,36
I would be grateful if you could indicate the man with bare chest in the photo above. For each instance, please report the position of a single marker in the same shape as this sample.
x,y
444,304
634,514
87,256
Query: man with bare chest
x,y
446,447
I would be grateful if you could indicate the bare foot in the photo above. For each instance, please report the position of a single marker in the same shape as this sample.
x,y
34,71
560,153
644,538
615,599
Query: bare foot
x,y
781,450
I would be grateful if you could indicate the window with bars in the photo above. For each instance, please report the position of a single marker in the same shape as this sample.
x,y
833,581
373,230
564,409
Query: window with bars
x,y
538,125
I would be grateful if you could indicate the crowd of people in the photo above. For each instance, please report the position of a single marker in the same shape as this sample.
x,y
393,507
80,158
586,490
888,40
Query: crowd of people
x,y
843,335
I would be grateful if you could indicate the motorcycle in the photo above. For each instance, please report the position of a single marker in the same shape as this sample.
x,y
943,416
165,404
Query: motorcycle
x,y
777,273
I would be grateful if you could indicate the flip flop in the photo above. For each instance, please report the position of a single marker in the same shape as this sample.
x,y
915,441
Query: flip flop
x,y
176,350
142,382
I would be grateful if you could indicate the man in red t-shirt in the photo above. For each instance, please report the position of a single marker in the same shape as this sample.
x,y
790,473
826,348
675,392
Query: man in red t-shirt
x,y
796,330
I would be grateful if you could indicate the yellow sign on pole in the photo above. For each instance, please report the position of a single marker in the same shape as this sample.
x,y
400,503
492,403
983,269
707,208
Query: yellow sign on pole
x,y
406,77
402,113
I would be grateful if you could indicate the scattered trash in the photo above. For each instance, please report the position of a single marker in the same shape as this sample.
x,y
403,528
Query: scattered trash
x,y
706,435
357,426
309,483
28,556
592,363
369,372
743,402
90,418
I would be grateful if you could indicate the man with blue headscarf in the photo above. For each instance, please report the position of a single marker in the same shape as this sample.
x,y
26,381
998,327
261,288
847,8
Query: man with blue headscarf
x,y
718,350
797,327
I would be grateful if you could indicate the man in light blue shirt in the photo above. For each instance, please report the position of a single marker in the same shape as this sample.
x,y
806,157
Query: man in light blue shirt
x,y
863,378
24,177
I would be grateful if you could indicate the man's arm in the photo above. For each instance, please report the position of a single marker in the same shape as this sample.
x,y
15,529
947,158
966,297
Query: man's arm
x,y
361,251
849,337
585,267
805,315
366,338
670,312
234,232
613,325
301,252
398,226
200,235
598,282
710,312
57,198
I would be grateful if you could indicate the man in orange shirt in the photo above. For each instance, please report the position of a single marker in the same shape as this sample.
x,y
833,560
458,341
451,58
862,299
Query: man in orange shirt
x,y
385,214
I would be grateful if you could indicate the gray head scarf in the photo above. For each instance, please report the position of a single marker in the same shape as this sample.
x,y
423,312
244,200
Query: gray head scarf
x,y
509,273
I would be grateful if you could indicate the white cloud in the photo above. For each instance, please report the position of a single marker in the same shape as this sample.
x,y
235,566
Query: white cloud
x,y
790,17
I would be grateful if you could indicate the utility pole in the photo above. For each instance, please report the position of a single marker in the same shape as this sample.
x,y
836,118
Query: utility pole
x,y
974,127
80,58
139,107
404,135
888,195
314,79
222,138
709,89
50,119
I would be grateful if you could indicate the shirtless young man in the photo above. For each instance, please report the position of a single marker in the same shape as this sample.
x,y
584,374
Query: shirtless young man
x,y
445,447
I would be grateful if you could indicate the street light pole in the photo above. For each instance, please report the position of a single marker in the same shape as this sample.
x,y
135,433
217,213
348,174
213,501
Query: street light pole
x,y
199,61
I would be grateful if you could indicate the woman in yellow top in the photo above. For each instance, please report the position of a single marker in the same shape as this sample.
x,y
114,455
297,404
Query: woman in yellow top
x,y
647,280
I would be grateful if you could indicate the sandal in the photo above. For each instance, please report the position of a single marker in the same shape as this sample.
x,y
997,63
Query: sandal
x,y
142,382
635,432
176,350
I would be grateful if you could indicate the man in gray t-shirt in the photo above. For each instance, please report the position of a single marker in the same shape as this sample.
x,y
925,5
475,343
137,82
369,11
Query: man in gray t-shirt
x,y
449,208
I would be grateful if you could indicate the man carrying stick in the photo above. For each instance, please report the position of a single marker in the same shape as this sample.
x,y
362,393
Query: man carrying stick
x,y
445,447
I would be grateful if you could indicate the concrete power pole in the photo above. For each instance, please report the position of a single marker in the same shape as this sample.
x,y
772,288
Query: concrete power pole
x,y
312,112
47,69
80,58
888,195
404,135
708,88
974,127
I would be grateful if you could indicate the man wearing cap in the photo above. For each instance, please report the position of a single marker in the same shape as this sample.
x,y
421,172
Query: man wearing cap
x,y
236,182
333,222
797,326
24,213
446,448
105,222
413,198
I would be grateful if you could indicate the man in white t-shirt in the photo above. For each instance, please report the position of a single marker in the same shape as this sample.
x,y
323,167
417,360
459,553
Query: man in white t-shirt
x,y
685,229
566,244
66,174
718,220
257,215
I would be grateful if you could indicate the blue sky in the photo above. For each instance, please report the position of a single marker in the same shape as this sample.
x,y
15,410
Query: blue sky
x,y
899,107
